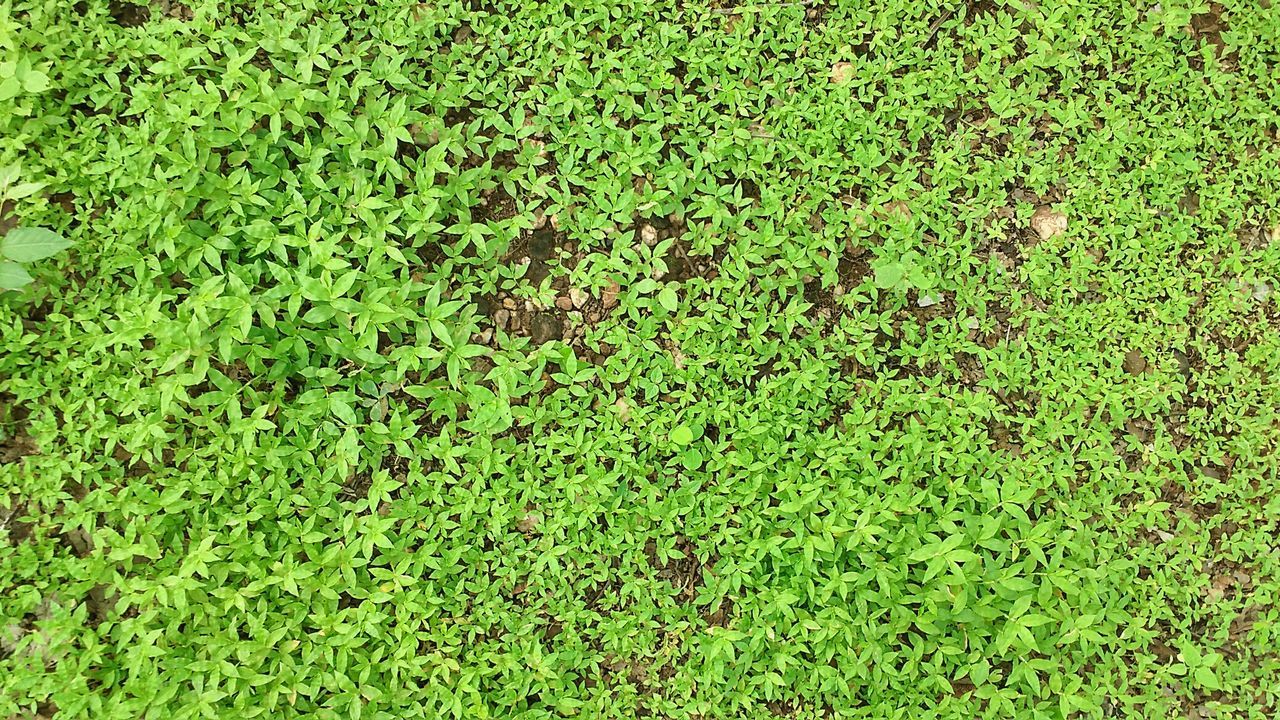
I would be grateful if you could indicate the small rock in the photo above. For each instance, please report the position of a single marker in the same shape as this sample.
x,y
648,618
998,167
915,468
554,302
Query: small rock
x,y
841,73
897,207
624,409
501,318
925,301
509,303
10,636
564,303
1184,362
1048,223
1005,261
579,297
609,297
81,541
555,221
971,323
542,245
1261,291
545,326
648,235
1134,362
529,523
484,336
539,220
1189,203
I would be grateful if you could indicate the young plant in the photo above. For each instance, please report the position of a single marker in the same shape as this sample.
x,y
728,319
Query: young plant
x,y
23,245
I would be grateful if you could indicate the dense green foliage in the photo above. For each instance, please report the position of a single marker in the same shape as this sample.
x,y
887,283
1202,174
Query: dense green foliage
x,y
612,360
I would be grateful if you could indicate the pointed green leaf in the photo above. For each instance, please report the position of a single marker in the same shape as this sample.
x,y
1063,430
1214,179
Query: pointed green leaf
x,y
27,244
1206,677
342,410
22,190
13,276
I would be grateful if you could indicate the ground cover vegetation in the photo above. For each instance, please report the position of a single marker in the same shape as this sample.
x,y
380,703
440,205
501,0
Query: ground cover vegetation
x,y
621,359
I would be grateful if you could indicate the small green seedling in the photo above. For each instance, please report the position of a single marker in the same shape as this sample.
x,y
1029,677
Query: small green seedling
x,y
901,273
23,245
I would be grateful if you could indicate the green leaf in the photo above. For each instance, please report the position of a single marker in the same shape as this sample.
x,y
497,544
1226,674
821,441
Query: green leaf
x,y
668,299
21,190
9,88
27,244
918,279
691,459
890,275
1191,654
681,435
1205,676
342,410
13,276
924,553
35,81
